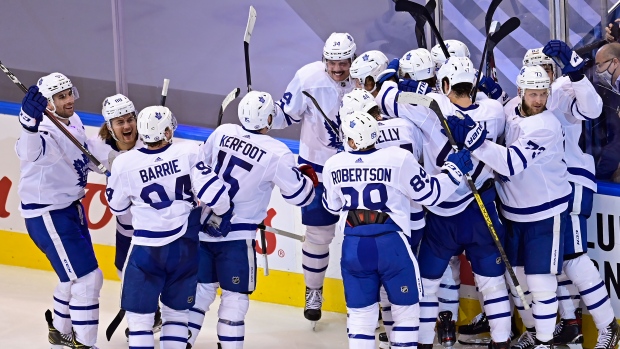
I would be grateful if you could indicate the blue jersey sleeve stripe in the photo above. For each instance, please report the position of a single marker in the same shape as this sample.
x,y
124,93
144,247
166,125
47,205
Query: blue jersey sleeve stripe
x,y
123,210
383,100
327,206
576,171
538,208
316,167
217,196
574,104
307,198
156,234
396,104
511,169
520,154
206,186
416,216
301,189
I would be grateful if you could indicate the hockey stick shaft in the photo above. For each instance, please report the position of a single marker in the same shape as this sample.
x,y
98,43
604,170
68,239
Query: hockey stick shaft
x,y
229,98
164,92
58,124
488,17
246,45
282,232
417,9
412,98
318,107
114,324
263,242
482,59
420,21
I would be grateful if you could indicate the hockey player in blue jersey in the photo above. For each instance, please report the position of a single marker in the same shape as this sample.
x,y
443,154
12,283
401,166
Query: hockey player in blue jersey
x,y
327,82
52,181
532,161
370,190
157,184
252,163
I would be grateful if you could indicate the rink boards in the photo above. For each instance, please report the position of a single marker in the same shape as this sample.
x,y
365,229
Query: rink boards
x,y
284,285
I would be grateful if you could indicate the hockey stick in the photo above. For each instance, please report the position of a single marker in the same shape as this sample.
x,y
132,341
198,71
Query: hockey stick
x,y
490,65
419,10
511,25
58,124
494,27
164,92
246,45
229,98
426,101
615,32
280,232
327,120
420,21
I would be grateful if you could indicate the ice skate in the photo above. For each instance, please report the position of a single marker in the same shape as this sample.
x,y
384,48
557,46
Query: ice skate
x,y
446,329
314,301
57,340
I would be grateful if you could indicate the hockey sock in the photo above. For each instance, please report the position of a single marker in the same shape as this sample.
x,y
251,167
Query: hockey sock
x,y
429,308
205,295
386,311
406,326
448,293
173,329
496,305
545,307
62,295
568,296
526,315
314,259
231,325
361,326
588,281
84,307
141,330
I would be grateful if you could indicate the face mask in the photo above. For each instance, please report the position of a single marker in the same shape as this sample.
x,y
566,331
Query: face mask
x,y
606,77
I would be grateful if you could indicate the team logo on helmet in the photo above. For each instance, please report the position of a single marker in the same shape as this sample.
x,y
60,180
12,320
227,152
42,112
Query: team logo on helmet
x,y
106,102
365,57
261,99
352,124
40,81
349,37
247,119
408,57
158,116
373,135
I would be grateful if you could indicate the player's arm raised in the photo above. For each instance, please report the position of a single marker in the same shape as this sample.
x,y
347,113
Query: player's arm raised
x,y
431,190
291,106
296,184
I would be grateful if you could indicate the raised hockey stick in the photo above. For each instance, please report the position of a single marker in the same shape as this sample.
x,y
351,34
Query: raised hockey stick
x,y
229,98
58,124
494,27
615,32
246,45
280,232
426,101
327,120
420,21
164,92
419,10
511,25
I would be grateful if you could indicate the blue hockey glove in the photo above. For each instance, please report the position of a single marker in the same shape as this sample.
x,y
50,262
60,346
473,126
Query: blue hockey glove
x,y
33,105
419,87
219,226
391,71
466,131
570,62
490,87
457,165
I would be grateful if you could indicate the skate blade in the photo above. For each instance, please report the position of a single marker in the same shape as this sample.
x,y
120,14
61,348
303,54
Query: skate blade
x,y
384,345
482,340
313,323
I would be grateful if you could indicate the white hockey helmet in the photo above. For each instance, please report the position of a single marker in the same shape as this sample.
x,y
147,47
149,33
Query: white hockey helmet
x,y
532,77
51,84
339,46
418,64
370,63
455,49
254,110
356,100
116,106
457,70
536,56
153,122
361,127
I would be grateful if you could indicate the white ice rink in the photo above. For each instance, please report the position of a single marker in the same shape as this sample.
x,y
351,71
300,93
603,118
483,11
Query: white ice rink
x,y
25,294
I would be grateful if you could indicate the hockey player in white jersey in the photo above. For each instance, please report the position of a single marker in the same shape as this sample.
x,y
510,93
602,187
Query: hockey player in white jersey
x,y
251,163
417,66
158,185
572,100
53,175
365,69
445,234
371,189
327,82
532,161
395,132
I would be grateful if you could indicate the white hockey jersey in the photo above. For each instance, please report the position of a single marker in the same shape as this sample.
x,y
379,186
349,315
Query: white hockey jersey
x,y
252,163
534,182
318,142
53,170
384,180
158,187
571,103
397,132
436,147
106,151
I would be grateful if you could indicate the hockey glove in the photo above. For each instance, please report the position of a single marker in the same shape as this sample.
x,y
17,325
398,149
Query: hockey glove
x,y
490,87
466,131
33,105
309,172
457,165
390,72
419,87
219,226
570,62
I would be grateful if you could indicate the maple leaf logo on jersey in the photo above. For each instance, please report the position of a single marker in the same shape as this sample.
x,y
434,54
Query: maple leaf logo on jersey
x,y
334,139
81,168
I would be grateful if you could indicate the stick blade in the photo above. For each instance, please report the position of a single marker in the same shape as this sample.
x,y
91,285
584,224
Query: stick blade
x,y
414,98
508,27
230,97
250,26
488,18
